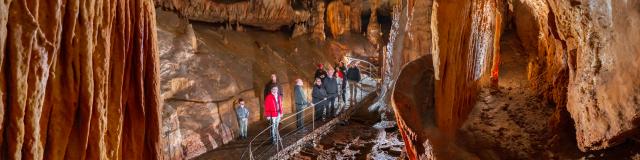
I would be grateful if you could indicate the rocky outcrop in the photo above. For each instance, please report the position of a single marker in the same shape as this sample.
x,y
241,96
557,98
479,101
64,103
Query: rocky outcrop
x,y
604,92
267,14
79,80
577,52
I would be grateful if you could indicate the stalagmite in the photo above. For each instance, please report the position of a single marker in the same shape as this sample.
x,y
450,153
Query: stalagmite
x,y
79,80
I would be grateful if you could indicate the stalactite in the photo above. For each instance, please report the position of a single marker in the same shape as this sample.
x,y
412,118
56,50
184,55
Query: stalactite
x,y
268,14
374,32
338,18
356,15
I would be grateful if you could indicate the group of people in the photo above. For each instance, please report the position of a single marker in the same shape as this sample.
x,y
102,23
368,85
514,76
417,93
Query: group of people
x,y
329,88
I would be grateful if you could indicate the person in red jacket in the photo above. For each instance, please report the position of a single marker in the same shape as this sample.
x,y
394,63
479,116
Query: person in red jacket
x,y
273,112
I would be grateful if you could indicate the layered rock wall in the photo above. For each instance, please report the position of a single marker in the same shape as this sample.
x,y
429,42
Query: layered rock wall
x,y
79,80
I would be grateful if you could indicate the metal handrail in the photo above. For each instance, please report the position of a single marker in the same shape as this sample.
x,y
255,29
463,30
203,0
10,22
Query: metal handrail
x,y
371,70
279,140
283,119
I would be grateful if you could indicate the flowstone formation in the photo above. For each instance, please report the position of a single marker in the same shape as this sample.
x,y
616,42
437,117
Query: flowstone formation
x,y
79,80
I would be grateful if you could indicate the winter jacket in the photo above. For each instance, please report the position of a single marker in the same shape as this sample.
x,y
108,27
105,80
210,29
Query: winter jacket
x,y
353,74
267,89
318,94
321,72
242,112
301,99
331,86
271,108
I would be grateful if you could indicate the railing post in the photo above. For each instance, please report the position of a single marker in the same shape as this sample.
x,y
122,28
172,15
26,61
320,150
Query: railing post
x,y
313,124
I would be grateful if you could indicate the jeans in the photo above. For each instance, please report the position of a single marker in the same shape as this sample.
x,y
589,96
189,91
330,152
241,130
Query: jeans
x,y
275,134
299,120
343,90
243,127
319,111
331,107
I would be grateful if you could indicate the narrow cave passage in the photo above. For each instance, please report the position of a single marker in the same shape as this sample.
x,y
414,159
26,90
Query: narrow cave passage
x,y
509,121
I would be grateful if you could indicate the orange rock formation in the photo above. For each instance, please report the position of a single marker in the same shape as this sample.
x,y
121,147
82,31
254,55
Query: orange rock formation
x,y
79,80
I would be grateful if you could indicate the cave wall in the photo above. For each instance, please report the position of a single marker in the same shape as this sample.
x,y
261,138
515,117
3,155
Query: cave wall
x,y
604,91
79,80
580,53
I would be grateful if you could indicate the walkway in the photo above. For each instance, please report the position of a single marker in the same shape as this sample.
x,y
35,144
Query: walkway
x,y
238,149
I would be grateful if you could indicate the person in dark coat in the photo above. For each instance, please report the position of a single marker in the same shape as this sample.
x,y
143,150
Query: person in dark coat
x,y
273,82
353,77
319,95
301,102
331,86
320,72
